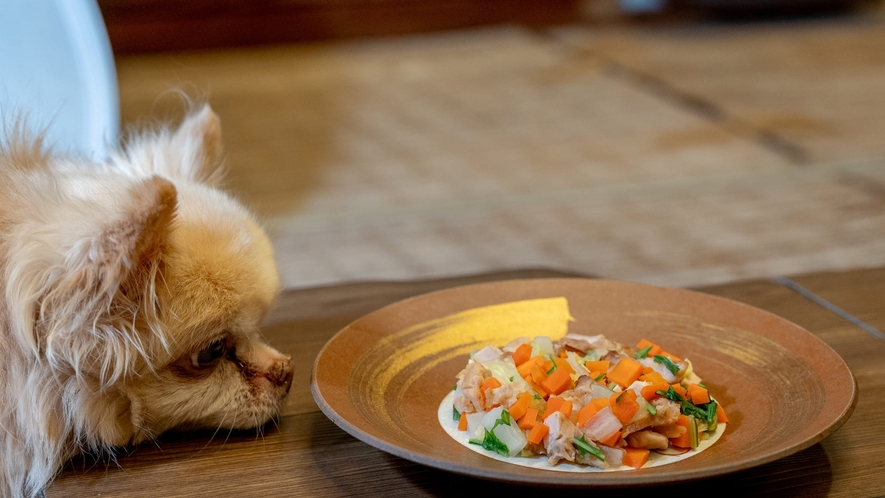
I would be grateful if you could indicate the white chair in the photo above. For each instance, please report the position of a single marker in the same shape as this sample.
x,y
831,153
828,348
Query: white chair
x,y
57,68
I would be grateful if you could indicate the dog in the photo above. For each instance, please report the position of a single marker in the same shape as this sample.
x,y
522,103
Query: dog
x,y
132,293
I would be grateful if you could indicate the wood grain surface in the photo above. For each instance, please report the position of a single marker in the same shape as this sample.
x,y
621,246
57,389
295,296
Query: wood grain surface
x,y
305,454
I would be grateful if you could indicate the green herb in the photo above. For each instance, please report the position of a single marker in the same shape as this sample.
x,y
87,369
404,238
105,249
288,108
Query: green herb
x,y
455,387
706,412
642,353
671,394
672,367
505,418
491,442
456,414
538,397
511,378
584,447
600,377
612,386
554,367
651,409
693,432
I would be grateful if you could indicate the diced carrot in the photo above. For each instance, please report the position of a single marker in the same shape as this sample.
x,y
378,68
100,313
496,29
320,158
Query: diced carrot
x,y
563,363
683,441
680,390
598,366
518,409
528,420
624,405
720,414
657,384
553,405
651,392
490,383
698,394
613,439
525,369
537,388
536,435
654,377
655,349
590,409
626,372
647,370
598,377
522,354
462,422
563,354
547,365
538,373
557,382
635,457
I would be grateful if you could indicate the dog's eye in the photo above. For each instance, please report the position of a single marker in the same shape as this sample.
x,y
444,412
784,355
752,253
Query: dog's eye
x,y
209,355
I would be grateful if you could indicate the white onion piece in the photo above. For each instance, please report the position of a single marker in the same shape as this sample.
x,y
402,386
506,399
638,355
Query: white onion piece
x,y
613,456
602,425
542,345
598,391
474,424
659,368
512,436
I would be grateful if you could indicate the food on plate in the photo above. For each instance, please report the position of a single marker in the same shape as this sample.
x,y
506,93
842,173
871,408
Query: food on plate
x,y
584,400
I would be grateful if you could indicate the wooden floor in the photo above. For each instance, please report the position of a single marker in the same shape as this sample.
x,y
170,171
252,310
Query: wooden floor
x,y
679,153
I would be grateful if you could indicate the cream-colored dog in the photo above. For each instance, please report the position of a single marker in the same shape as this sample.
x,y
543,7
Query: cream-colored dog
x,y
131,297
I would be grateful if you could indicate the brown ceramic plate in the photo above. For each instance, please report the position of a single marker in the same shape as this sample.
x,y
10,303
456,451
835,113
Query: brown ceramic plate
x,y
383,376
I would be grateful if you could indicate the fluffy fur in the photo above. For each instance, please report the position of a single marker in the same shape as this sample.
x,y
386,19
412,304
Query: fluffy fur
x,y
131,297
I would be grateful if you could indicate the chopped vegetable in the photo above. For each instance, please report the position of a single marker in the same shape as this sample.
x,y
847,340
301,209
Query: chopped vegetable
x,y
598,366
624,405
635,457
653,349
663,360
698,394
518,409
586,448
599,401
642,353
522,354
557,382
536,435
626,372
529,419
720,415
557,404
591,409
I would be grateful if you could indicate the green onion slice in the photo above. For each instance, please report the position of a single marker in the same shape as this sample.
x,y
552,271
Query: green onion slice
x,y
672,367
585,447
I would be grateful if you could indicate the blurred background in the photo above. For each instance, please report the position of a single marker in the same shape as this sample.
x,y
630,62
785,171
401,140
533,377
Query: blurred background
x,y
680,143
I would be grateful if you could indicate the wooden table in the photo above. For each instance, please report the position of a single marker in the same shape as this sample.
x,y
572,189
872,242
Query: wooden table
x,y
305,454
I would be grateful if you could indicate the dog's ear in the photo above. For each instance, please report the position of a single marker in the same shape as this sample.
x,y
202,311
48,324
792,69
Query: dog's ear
x,y
193,152
84,284
199,138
